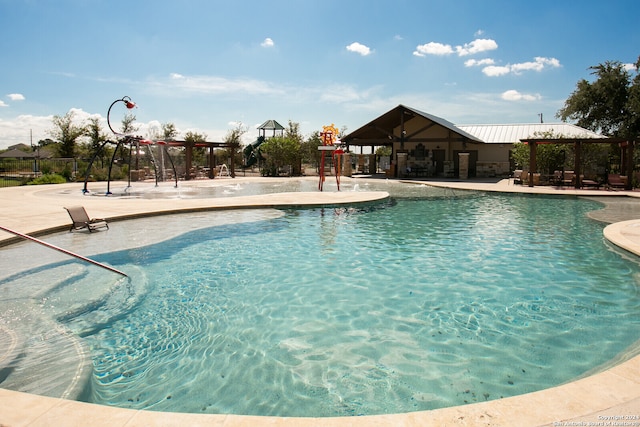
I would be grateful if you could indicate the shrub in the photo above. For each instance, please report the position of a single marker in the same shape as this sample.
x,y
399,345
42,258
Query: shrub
x,y
51,178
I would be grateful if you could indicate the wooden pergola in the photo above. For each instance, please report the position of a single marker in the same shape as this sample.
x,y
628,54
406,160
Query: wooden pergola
x,y
189,153
626,146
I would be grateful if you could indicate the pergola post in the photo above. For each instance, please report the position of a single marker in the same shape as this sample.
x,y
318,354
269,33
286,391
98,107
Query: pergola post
x,y
232,160
188,160
212,159
578,163
629,169
532,161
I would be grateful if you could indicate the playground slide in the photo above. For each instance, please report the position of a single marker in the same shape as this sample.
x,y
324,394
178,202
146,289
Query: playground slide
x,y
252,153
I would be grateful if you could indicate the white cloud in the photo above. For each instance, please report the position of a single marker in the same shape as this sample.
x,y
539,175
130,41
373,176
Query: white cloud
x,y
16,97
433,48
398,37
495,70
478,33
16,130
629,67
268,42
3,104
213,84
359,48
481,62
514,95
538,64
476,46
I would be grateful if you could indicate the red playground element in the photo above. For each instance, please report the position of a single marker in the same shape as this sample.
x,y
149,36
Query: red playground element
x,y
329,135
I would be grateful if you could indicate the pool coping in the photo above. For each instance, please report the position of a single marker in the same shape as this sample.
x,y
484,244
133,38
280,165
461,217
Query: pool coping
x,y
601,397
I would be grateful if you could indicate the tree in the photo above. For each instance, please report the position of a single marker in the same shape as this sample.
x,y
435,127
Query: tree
x,y
96,137
610,104
66,133
309,149
128,125
284,150
169,131
193,138
234,139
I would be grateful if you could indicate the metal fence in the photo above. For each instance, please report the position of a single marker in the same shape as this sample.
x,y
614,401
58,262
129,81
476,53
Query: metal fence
x,y
19,172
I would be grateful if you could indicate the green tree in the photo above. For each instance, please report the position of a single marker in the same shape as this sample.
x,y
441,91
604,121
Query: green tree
x,y
610,104
96,138
194,138
66,133
309,152
234,139
169,131
283,151
127,125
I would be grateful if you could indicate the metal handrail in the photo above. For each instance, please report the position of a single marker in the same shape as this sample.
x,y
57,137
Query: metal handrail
x,y
64,251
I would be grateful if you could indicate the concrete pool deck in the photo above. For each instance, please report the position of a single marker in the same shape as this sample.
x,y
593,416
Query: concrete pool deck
x,y
609,396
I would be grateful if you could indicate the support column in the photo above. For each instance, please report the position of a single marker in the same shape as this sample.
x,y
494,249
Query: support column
x,y
629,171
532,161
578,165
188,151
463,165
212,161
402,165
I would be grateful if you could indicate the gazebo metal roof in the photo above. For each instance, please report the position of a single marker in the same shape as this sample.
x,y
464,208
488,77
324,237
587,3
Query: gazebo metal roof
x,y
271,125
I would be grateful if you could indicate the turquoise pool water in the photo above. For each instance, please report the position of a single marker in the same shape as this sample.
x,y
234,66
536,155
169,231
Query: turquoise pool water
x,y
437,298
432,300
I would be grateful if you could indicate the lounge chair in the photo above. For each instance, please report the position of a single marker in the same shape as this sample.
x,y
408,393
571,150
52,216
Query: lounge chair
x,y
589,183
616,180
517,176
81,220
568,178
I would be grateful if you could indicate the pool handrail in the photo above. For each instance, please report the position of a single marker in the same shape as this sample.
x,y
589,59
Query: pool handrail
x,y
64,251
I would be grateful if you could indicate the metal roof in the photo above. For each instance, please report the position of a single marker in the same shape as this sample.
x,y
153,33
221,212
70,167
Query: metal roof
x,y
512,133
381,129
271,125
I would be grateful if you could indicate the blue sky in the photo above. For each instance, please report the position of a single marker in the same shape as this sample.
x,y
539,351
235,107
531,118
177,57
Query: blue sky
x,y
206,65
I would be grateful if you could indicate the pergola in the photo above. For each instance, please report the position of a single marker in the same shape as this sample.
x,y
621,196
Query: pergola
x,y
189,152
625,145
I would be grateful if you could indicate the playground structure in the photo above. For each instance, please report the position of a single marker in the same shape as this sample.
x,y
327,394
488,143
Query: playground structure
x,y
251,152
329,136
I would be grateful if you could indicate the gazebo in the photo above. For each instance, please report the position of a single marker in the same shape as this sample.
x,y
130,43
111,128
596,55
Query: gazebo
x,y
626,146
409,131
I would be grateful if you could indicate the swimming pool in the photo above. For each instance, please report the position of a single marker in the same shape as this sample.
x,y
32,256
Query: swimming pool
x,y
433,300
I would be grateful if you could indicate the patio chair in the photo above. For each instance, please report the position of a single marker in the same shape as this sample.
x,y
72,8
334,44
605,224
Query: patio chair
x,y
517,176
589,183
81,220
569,178
616,180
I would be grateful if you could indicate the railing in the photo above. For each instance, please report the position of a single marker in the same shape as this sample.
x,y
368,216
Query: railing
x,y
20,171
64,251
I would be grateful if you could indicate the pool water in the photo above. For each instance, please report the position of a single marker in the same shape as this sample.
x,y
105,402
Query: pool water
x,y
428,301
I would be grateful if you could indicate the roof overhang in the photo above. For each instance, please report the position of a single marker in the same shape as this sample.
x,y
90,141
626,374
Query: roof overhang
x,y
404,124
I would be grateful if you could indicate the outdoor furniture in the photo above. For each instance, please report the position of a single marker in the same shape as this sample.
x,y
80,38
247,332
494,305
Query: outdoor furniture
x,y
82,221
568,178
558,178
589,183
616,180
519,176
